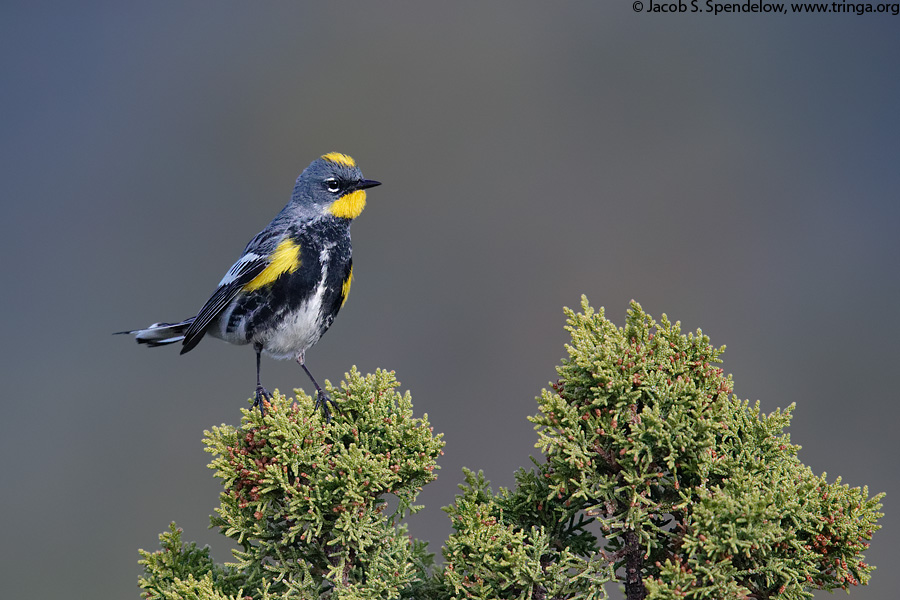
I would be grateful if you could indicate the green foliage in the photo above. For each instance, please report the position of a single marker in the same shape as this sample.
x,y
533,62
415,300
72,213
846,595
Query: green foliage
x,y
640,431
307,501
519,545
653,475
181,570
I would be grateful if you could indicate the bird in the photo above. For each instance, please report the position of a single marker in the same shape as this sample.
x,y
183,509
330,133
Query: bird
x,y
284,291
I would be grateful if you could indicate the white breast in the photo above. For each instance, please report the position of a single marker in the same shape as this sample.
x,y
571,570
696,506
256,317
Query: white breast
x,y
302,328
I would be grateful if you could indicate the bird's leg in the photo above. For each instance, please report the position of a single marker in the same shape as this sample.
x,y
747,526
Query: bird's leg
x,y
322,399
261,392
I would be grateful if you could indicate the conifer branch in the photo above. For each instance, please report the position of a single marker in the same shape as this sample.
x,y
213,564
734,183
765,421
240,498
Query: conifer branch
x,y
634,567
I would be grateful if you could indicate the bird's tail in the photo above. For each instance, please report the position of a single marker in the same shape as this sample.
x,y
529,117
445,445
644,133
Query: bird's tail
x,y
160,334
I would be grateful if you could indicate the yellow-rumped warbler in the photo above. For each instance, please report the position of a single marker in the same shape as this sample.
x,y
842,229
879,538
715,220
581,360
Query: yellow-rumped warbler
x,y
291,280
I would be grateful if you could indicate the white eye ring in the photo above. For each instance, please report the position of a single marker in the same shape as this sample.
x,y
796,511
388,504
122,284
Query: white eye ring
x,y
332,185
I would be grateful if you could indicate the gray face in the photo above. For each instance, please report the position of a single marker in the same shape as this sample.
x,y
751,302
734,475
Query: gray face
x,y
329,178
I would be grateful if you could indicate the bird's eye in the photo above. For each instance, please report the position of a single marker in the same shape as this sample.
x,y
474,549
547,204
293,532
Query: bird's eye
x,y
332,185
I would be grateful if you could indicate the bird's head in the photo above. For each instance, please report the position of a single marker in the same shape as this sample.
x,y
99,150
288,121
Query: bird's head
x,y
333,184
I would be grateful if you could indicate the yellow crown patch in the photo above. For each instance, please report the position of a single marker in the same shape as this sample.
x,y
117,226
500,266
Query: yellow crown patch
x,y
341,159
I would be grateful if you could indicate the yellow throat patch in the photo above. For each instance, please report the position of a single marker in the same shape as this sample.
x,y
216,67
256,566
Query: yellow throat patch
x,y
285,259
349,205
341,159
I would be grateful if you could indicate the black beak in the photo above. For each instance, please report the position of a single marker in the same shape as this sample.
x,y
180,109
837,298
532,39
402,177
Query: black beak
x,y
366,184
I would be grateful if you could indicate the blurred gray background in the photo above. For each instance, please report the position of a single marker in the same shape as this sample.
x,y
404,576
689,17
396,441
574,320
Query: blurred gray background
x,y
739,173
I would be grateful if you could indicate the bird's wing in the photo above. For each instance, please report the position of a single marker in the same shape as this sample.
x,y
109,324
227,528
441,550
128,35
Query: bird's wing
x,y
240,274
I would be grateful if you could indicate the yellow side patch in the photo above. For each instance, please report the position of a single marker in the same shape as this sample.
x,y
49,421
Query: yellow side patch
x,y
285,259
345,289
341,159
349,205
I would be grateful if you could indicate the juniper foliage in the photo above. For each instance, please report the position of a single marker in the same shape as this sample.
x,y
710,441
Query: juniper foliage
x,y
652,475
307,502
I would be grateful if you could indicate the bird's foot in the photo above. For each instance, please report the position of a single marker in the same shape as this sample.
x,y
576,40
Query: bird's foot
x,y
261,394
322,400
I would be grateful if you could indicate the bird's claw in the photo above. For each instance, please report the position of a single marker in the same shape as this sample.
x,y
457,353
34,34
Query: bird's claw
x,y
261,395
322,400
